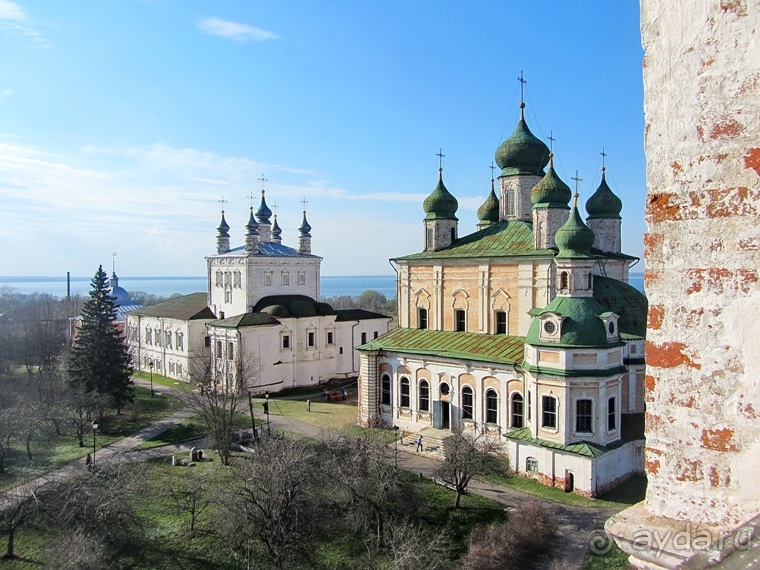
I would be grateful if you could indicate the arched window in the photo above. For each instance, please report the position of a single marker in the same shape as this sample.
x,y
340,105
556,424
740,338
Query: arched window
x,y
583,416
385,390
549,412
404,403
466,403
517,410
563,280
492,407
424,396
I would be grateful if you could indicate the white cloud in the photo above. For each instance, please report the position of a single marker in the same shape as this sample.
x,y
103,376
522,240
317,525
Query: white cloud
x,y
241,33
11,11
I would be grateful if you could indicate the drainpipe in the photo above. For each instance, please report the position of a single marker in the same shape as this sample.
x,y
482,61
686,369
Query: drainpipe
x,y
353,349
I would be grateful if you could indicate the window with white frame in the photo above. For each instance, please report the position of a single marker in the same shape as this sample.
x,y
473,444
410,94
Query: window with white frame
x,y
517,410
404,393
549,412
531,465
611,417
422,318
168,339
230,351
285,279
424,397
236,280
310,339
180,340
330,338
148,335
157,337
268,279
467,398
492,407
301,278
501,322
219,279
219,353
286,342
583,416
385,390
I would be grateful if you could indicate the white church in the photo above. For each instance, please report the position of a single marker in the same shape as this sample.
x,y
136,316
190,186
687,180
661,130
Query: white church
x,y
260,325
525,330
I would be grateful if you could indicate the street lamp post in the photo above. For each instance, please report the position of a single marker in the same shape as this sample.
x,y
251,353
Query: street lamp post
x,y
94,441
150,365
266,409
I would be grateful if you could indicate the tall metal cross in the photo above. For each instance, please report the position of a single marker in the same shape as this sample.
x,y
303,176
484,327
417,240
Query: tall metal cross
x,y
551,141
304,203
263,179
222,202
440,156
251,198
604,155
577,180
492,167
522,87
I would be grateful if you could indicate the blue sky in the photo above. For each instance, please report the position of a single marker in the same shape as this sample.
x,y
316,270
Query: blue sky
x,y
122,123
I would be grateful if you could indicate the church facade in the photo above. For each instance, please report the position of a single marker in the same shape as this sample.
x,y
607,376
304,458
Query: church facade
x,y
525,330
260,325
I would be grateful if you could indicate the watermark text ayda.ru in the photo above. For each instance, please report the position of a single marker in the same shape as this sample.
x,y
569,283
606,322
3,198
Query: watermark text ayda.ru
x,y
687,540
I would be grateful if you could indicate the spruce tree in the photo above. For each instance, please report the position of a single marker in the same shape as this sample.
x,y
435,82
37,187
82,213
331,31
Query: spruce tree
x,y
99,359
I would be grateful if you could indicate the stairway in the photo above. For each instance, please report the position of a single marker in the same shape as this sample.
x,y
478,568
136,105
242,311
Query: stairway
x,y
432,442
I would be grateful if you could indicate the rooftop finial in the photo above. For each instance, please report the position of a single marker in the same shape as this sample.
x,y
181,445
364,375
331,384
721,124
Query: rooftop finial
x,y
304,203
522,81
440,156
251,198
604,155
492,167
222,202
576,195
274,207
113,263
263,179
551,142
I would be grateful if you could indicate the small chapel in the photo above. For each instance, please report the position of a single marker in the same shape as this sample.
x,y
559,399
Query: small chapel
x,y
525,330
260,325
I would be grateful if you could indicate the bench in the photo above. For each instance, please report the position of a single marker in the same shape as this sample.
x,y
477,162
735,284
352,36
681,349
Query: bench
x,y
447,484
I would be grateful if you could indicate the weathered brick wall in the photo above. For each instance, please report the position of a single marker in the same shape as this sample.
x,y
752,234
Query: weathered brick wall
x,y
702,104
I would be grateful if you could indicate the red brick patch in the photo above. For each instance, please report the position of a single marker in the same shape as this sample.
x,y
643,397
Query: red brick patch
x,y
668,355
718,439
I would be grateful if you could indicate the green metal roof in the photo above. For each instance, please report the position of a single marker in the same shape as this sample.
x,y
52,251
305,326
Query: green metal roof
x,y
186,308
441,204
584,448
522,152
504,239
604,203
246,320
629,303
574,239
551,190
500,349
357,315
581,325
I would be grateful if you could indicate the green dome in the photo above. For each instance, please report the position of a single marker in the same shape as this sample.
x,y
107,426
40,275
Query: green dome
x,y
551,191
488,213
522,153
581,325
574,238
440,204
629,303
604,203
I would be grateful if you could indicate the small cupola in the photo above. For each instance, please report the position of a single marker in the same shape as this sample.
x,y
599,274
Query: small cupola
x,y
574,239
488,213
276,231
441,222
304,236
223,236
251,234
551,191
262,216
603,208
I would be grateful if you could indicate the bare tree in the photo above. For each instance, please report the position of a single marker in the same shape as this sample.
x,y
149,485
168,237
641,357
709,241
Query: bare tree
x,y
190,495
367,472
465,457
77,550
413,548
18,507
80,407
278,502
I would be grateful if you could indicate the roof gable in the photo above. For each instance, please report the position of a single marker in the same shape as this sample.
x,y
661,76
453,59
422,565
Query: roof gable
x,y
187,308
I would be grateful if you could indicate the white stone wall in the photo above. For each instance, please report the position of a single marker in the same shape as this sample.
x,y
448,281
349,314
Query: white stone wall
x,y
702,249
606,233
514,196
546,222
440,231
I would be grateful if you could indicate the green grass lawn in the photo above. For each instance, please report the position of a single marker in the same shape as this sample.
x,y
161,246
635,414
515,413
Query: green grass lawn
x,y
53,452
615,559
327,415
159,381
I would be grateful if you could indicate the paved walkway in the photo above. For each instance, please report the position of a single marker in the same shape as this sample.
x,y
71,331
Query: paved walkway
x,y
576,525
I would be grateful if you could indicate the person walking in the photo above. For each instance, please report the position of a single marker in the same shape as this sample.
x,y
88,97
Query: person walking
x,y
308,405
344,393
419,443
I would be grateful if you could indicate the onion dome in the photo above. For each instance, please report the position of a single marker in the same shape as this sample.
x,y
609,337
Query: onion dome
x,y
604,203
440,204
224,228
263,213
276,230
304,228
120,295
488,213
551,191
522,152
252,226
574,238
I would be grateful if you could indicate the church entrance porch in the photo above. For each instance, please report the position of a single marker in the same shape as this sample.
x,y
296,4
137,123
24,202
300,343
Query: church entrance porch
x,y
441,414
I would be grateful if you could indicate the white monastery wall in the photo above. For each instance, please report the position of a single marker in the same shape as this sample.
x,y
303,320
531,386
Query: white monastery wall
x,y
702,103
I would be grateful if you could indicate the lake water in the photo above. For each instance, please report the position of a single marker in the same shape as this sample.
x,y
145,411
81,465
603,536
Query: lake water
x,y
164,286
